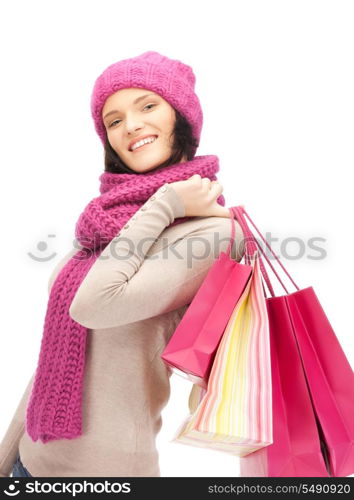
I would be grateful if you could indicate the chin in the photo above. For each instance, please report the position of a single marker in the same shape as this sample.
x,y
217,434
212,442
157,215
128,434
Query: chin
x,y
149,165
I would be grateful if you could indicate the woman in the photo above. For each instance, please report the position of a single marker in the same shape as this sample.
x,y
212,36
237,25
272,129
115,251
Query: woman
x,y
93,406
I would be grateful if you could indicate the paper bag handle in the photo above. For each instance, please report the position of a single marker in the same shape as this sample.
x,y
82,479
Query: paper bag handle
x,y
240,213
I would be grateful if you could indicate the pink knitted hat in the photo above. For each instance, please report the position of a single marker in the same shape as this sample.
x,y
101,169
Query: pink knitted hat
x,y
170,78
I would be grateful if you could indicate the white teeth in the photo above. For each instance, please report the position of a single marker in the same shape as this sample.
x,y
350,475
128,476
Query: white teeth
x,y
142,142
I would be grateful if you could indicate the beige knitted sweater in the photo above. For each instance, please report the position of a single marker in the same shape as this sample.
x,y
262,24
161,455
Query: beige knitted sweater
x,y
131,301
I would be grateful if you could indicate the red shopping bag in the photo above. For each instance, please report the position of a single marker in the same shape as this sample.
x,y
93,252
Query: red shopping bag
x,y
296,448
313,388
191,349
330,379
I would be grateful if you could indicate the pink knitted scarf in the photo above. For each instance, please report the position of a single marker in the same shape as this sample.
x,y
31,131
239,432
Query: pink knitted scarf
x,y
54,407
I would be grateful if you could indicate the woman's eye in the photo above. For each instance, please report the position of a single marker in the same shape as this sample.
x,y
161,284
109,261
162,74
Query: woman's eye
x,y
115,121
149,105
111,125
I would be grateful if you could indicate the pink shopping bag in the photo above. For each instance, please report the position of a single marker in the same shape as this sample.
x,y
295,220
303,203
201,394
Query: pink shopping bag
x,y
313,389
191,349
234,413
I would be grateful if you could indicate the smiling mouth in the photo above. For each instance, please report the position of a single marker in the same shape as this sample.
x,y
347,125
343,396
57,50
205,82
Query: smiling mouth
x,y
147,144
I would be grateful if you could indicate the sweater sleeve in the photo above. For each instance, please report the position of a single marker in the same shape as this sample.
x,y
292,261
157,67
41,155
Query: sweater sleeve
x,y
9,446
139,275
10,442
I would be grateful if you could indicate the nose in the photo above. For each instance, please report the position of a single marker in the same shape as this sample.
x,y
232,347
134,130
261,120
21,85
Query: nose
x,y
132,124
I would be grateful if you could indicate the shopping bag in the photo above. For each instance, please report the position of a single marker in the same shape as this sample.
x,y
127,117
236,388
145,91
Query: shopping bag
x,y
330,379
234,413
311,376
191,349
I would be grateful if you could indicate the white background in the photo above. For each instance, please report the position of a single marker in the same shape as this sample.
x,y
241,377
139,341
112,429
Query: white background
x,y
275,80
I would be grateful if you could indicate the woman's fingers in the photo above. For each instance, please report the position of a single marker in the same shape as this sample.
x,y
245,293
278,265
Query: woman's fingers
x,y
216,189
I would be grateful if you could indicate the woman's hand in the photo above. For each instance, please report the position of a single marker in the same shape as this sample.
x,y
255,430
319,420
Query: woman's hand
x,y
199,196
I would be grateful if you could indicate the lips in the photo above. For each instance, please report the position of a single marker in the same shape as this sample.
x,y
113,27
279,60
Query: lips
x,y
140,139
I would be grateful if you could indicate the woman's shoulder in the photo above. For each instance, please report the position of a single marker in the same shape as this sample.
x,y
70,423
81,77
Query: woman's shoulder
x,y
220,228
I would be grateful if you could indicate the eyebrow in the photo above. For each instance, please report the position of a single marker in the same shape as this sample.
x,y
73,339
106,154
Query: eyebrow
x,y
134,102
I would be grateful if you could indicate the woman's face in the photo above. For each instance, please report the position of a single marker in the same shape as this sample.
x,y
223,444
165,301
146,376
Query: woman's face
x,y
132,114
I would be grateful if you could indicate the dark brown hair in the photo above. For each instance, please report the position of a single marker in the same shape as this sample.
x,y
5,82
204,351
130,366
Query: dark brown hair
x,y
184,144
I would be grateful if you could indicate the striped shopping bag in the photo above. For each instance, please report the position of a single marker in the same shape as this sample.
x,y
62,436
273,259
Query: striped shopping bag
x,y
234,413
